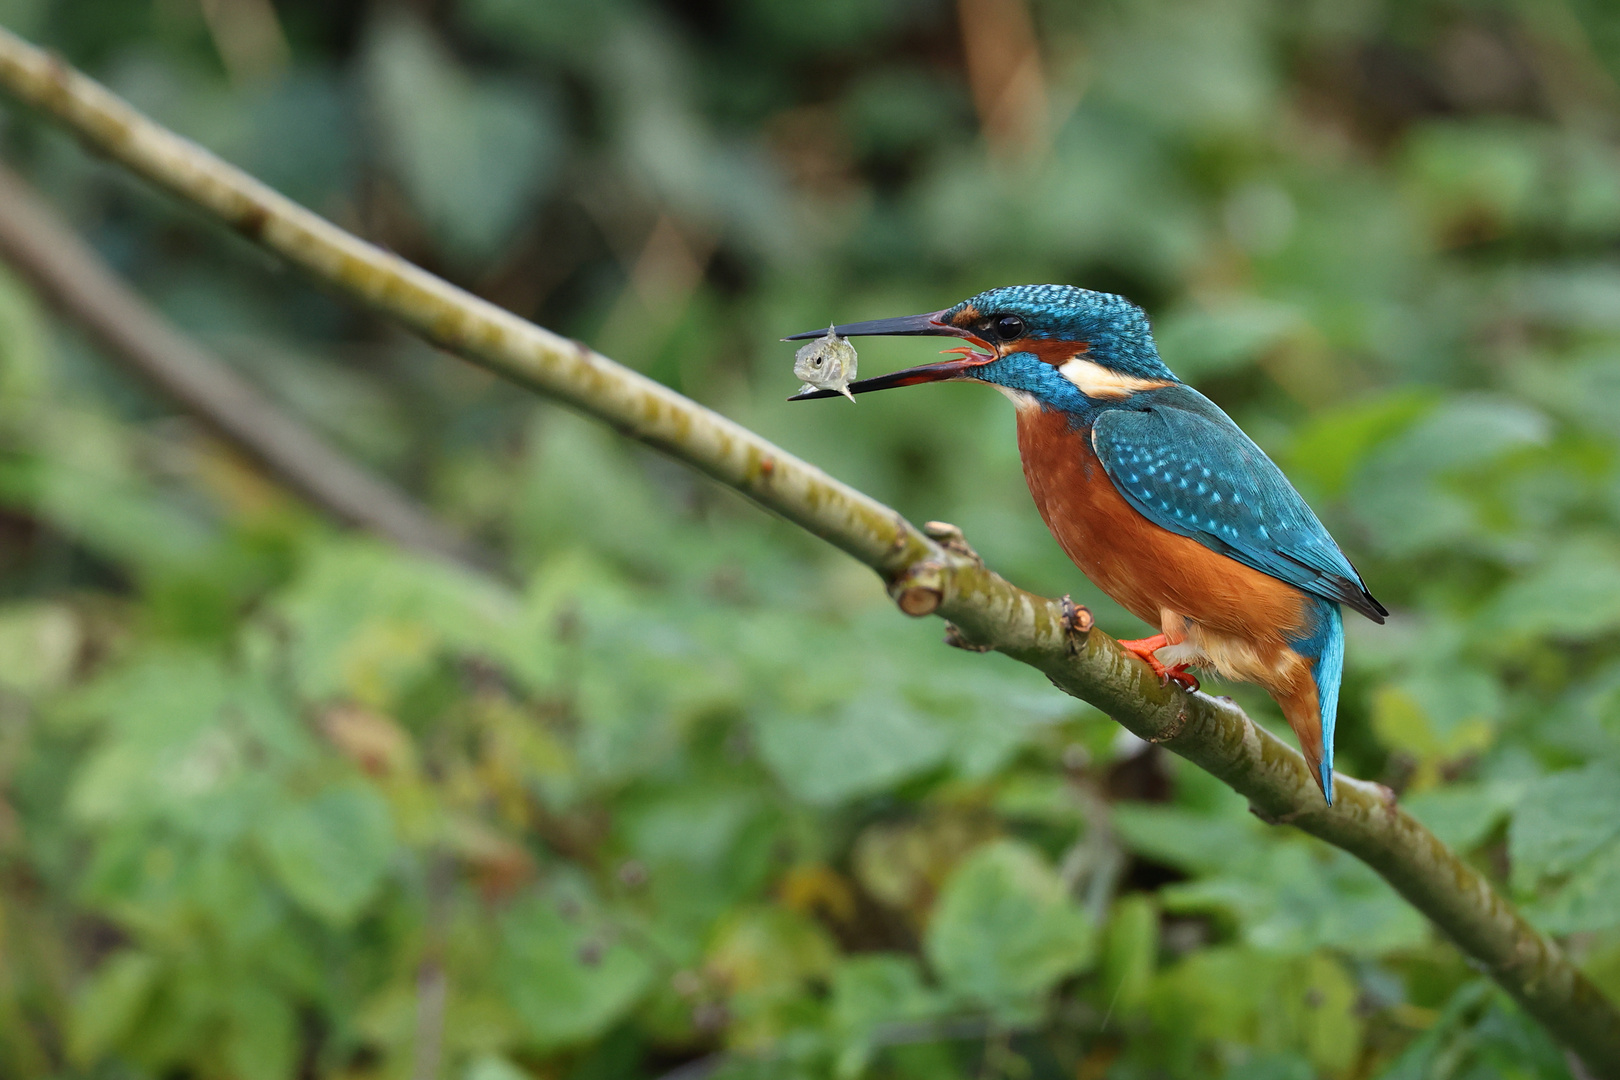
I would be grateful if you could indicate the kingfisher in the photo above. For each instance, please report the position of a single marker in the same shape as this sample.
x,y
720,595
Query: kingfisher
x,y
1156,495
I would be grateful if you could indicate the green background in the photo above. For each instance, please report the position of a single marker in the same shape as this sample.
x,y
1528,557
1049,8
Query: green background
x,y
277,801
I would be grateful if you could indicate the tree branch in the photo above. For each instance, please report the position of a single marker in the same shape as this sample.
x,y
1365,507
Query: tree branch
x,y
923,576
72,278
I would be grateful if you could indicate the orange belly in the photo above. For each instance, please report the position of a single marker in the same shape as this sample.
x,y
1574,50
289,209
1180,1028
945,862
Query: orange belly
x,y
1230,616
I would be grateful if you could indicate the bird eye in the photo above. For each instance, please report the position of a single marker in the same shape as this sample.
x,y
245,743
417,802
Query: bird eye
x,y
1009,327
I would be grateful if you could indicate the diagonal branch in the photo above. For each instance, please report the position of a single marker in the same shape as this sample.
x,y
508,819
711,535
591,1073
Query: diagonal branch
x,y
72,278
924,576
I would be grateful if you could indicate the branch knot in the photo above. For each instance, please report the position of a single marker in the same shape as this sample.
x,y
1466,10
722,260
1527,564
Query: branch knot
x,y
1175,728
957,640
950,538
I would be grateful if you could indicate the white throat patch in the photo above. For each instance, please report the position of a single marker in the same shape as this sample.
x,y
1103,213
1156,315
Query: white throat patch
x,y
1023,401
1096,381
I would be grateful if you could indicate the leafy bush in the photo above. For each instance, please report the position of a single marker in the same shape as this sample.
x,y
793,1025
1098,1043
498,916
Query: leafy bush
x,y
277,801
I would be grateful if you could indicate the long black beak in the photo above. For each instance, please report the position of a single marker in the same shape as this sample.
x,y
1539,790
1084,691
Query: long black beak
x,y
929,325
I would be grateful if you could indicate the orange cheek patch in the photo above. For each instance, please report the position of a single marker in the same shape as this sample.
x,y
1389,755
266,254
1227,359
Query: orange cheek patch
x,y
1056,353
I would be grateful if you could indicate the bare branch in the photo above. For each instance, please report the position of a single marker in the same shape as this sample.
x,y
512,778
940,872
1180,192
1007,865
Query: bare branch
x,y
76,281
924,576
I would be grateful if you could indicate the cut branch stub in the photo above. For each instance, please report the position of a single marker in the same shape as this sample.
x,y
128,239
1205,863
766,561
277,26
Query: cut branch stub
x,y
919,589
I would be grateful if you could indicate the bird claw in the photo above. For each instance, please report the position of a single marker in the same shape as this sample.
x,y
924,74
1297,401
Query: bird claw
x,y
1178,674
1144,649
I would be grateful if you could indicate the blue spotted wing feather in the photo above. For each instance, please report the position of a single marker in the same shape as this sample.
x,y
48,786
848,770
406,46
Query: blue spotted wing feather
x,y
1188,468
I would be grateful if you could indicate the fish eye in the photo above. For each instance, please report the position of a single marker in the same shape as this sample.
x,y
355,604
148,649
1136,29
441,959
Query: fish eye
x,y
1009,327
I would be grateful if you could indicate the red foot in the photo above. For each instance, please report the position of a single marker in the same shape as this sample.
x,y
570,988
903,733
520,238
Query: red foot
x,y
1175,673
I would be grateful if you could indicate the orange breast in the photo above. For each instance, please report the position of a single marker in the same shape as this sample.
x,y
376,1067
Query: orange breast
x,y
1147,569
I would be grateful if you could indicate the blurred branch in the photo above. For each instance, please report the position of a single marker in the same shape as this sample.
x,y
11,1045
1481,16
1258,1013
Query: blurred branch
x,y
248,36
1004,72
73,279
924,576
432,980
1092,866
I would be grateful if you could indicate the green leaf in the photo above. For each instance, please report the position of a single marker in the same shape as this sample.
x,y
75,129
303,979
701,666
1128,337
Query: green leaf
x,y
39,645
1438,715
1333,444
108,1006
1263,1002
493,1067
1572,596
1005,930
1291,897
263,1041
769,953
988,711
1273,1067
177,731
162,699
1479,1033
860,745
1588,901
1216,340
471,153
872,990
1463,815
879,988
1130,953
554,31
1566,834
1563,820
1467,170
1400,494
692,825
580,485
564,979
1187,840
1577,296
370,622
331,852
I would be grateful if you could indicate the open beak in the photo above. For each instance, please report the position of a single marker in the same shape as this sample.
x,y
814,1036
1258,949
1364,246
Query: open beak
x,y
929,325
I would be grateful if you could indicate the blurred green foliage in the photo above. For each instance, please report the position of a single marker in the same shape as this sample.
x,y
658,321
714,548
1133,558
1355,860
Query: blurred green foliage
x,y
277,802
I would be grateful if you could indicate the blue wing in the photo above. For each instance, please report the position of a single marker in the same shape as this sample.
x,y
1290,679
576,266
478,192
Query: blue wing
x,y
1183,463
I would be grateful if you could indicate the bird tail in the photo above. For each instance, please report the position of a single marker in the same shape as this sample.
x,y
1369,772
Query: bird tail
x,y
1312,708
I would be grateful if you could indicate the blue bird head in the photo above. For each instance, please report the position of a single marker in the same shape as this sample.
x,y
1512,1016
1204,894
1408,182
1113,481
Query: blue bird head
x,y
1028,338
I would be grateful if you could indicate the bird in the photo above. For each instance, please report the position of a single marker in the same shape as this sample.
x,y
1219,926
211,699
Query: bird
x,y
1156,495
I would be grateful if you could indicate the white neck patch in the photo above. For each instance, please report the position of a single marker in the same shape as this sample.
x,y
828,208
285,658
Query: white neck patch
x,y
1021,400
1096,381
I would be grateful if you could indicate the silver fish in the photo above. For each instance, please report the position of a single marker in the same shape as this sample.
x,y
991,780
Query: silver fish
x,y
827,363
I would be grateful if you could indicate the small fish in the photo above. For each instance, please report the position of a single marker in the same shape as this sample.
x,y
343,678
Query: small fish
x,y
827,363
